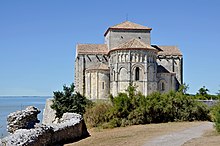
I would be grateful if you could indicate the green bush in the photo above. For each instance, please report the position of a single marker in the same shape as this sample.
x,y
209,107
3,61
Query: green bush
x,y
215,114
132,108
68,101
96,115
174,106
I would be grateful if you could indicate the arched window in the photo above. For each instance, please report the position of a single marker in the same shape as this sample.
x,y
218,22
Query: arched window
x,y
123,74
137,74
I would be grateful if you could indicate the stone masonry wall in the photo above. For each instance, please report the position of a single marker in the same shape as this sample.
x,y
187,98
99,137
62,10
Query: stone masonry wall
x,y
49,115
82,63
117,37
172,64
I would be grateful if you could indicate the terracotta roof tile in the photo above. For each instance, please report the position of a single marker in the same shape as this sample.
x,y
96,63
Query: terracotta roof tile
x,y
92,49
134,44
127,25
100,66
168,50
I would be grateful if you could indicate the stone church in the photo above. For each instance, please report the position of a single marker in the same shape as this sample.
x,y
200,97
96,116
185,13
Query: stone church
x,y
126,56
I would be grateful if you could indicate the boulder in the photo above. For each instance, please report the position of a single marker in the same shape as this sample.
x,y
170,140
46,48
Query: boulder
x,y
71,127
24,119
40,135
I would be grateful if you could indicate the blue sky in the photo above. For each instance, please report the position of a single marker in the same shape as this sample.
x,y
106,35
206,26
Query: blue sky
x,y
38,38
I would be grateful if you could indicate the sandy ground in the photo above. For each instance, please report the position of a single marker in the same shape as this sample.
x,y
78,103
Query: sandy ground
x,y
210,138
178,138
139,135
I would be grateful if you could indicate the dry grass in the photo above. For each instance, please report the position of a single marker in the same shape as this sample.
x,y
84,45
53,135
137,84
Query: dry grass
x,y
210,138
131,136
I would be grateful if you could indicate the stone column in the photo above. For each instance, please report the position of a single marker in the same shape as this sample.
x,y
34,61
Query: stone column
x,y
145,75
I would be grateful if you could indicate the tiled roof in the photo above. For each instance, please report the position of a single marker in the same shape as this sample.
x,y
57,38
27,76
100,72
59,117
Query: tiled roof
x,y
134,44
127,25
92,49
168,50
100,66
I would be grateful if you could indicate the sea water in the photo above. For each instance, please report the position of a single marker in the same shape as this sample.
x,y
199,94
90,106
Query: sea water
x,y
9,104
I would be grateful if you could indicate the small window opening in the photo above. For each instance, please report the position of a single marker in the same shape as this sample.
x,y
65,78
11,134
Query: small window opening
x,y
137,74
162,86
103,85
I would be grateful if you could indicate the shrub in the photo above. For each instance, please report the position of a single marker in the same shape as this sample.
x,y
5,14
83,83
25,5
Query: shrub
x,y
174,106
215,113
133,108
128,108
96,115
68,101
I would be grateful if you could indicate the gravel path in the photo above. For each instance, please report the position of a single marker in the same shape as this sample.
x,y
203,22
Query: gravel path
x,y
180,137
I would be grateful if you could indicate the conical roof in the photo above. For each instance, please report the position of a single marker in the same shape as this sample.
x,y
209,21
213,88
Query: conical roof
x,y
127,25
134,44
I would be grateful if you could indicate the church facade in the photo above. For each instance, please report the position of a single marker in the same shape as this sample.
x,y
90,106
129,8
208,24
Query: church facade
x,y
127,56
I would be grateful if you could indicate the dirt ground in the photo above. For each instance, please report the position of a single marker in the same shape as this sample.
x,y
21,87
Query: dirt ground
x,y
210,138
138,135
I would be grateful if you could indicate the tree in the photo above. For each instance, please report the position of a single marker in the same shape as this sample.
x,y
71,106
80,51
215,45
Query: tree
x,y
218,93
183,88
68,101
203,91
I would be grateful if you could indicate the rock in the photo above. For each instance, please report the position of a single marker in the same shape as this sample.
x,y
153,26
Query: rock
x,y
25,119
70,128
30,137
49,114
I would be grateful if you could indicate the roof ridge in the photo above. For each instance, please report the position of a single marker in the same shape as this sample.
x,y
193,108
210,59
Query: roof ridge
x,y
168,50
128,25
132,42
92,49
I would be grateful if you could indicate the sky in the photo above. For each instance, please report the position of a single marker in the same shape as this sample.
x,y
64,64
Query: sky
x,y
38,38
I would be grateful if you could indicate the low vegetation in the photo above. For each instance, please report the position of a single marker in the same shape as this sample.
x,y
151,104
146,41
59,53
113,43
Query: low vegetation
x,y
215,114
132,108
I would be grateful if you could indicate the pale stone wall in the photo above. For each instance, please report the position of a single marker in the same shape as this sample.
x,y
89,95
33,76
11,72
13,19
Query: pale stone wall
x,y
97,84
117,37
79,73
49,114
123,64
83,62
173,64
122,71
104,85
169,82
